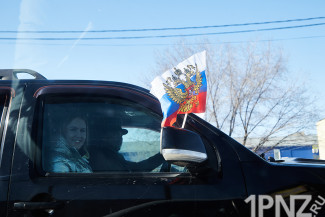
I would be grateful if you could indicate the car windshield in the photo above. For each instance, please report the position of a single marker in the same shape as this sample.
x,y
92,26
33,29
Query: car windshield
x,y
264,62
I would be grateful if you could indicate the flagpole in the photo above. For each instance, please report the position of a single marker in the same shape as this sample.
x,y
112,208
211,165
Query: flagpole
x,y
184,120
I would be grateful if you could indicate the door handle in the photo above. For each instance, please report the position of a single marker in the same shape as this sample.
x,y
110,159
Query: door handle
x,y
37,205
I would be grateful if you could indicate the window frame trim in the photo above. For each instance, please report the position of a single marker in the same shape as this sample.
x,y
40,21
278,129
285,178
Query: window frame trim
x,y
93,91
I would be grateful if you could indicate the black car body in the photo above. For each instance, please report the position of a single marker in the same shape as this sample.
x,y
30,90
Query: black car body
x,y
217,187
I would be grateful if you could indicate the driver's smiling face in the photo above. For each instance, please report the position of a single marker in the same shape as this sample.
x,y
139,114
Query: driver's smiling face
x,y
75,133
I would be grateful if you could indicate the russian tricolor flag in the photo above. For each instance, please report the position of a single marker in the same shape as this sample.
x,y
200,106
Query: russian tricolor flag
x,y
183,89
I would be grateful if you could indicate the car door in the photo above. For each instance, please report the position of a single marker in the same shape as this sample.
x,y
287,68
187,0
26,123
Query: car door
x,y
132,181
37,190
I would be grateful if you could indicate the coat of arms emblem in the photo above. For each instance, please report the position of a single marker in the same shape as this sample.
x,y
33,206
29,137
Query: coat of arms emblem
x,y
182,89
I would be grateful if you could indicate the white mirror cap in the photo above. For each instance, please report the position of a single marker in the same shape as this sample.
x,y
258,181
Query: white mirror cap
x,y
183,155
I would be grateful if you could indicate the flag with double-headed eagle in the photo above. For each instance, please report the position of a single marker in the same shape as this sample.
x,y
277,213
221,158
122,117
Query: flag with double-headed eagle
x,y
182,89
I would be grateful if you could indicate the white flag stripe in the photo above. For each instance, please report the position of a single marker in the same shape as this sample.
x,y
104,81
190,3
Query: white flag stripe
x,y
158,89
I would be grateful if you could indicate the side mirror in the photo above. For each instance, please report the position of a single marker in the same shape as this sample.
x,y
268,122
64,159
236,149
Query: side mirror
x,y
182,147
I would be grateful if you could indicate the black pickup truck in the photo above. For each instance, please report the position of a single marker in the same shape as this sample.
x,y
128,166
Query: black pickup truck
x,y
203,172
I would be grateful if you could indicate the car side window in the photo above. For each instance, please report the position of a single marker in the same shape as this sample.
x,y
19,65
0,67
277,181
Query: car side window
x,y
100,135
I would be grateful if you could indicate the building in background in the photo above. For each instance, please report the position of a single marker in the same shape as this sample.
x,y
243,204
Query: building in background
x,y
297,145
321,138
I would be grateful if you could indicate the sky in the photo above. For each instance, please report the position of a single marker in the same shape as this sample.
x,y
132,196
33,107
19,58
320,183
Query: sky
x,y
128,60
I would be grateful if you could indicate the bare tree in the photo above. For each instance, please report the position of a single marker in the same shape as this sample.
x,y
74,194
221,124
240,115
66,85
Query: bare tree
x,y
250,91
